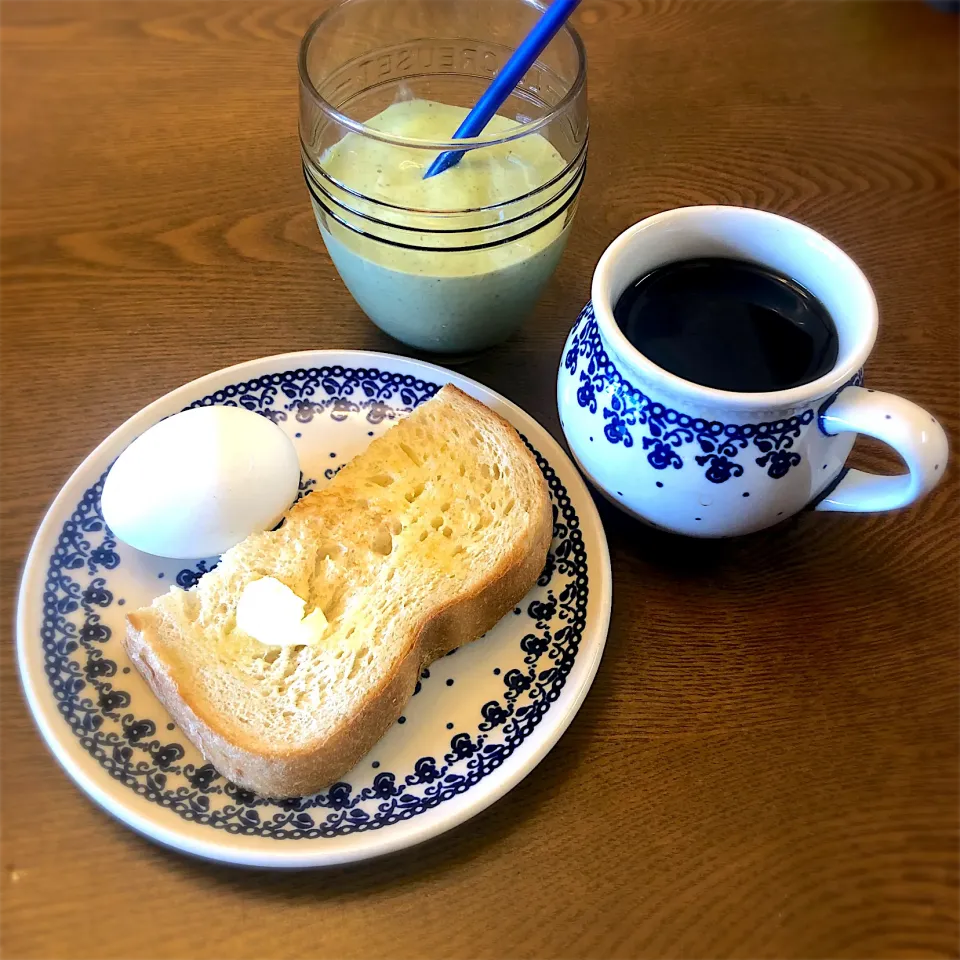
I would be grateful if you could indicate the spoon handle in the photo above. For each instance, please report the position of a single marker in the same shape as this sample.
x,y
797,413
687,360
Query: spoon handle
x,y
503,84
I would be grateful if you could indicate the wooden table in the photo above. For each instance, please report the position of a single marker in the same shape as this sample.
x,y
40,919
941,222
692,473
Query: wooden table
x,y
767,763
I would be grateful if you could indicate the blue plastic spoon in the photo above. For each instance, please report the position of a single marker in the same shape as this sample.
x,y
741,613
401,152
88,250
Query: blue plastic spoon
x,y
522,60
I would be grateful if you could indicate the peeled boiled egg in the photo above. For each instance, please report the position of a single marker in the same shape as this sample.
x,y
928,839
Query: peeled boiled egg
x,y
199,482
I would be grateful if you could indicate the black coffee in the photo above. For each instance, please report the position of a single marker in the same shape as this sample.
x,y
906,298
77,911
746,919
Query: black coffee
x,y
729,325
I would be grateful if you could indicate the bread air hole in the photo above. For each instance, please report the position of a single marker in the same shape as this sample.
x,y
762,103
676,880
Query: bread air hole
x,y
333,608
382,542
436,522
357,662
382,479
328,549
412,495
411,456
447,532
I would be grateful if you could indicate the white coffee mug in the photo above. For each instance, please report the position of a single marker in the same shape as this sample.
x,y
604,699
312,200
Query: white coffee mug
x,y
715,463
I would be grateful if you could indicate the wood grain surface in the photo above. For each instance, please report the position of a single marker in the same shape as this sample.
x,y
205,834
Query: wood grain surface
x,y
767,763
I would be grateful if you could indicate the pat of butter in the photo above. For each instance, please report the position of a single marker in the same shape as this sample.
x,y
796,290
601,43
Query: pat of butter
x,y
269,611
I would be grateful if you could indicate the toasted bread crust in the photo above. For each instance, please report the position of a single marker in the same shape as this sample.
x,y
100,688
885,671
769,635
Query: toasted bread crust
x,y
314,765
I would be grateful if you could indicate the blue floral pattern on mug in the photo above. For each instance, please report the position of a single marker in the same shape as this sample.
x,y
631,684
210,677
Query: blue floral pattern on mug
x,y
630,415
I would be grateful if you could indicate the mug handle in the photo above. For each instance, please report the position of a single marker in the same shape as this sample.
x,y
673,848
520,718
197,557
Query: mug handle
x,y
909,429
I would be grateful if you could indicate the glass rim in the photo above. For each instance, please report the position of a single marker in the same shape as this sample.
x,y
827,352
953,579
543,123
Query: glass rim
x,y
467,143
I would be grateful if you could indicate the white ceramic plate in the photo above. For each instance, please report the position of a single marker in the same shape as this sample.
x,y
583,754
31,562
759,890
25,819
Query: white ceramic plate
x,y
479,722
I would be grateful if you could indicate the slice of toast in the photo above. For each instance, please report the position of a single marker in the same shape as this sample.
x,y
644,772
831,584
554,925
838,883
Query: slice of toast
x,y
419,545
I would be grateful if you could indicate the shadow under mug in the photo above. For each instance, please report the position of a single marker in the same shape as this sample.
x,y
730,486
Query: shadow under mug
x,y
714,463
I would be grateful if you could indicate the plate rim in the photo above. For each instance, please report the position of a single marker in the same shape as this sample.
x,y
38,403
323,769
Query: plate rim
x,y
320,852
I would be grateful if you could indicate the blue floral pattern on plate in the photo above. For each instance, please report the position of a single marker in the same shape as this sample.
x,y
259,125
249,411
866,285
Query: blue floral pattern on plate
x,y
103,716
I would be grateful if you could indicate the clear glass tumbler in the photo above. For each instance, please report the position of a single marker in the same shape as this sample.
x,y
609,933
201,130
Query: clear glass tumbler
x,y
455,263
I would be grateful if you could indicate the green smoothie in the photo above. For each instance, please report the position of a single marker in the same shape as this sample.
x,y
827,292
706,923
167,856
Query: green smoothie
x,y
425,293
